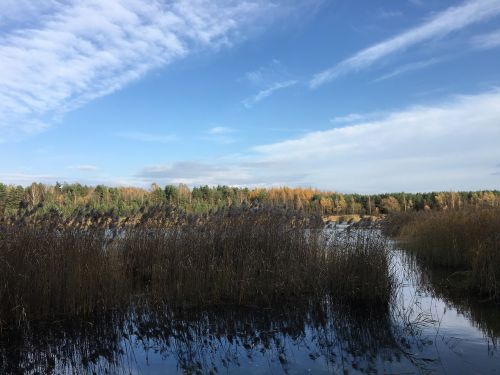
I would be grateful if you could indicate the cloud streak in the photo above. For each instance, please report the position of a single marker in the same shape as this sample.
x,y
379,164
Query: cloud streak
x,y
273,71
409,67
440,25
220,134
81,51
267,92
487,41
357,117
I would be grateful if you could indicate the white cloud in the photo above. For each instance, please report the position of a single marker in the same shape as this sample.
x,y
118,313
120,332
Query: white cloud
x,y
265,93
355,117
217,130
452,145
15,12
268,79
487,41
441,24
271,72
79,51
221,135
194,173
219,172
146,137
410,67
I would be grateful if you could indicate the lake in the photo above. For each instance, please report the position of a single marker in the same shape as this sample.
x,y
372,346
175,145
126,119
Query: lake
x,y
427,330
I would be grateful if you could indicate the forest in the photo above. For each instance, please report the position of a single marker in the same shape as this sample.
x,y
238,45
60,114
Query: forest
x,y
65,200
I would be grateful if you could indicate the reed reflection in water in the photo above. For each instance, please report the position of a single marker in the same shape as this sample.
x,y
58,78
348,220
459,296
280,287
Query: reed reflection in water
x,y
319,337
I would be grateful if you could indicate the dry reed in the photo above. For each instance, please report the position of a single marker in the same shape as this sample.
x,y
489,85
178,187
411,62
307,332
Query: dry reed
x,y
467,242
236,257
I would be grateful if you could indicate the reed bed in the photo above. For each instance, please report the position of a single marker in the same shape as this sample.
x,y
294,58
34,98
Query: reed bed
x,y
359,267
46,273
466,242
262,257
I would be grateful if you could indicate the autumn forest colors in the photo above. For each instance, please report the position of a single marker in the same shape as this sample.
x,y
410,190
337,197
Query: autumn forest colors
x,y
66,200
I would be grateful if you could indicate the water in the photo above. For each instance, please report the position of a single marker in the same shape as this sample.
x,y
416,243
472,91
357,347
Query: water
x,y
426,331
463,334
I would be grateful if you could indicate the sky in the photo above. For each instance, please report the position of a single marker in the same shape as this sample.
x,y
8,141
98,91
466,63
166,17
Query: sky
x,y
350,96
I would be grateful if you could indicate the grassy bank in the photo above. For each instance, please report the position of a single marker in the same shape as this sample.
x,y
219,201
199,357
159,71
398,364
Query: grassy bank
x,y
236,257
465,242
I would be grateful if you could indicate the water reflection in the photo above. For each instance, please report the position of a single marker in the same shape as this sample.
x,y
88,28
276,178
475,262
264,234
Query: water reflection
x,y
427,330
435,282
319,337
465,330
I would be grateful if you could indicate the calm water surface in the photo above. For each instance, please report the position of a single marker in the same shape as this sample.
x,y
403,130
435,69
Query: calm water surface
x,y
426,331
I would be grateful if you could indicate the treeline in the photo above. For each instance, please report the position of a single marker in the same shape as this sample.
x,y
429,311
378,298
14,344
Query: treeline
x,y
66,199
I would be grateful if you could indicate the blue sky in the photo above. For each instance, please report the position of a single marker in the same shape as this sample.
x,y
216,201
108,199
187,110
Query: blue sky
x,y
352,96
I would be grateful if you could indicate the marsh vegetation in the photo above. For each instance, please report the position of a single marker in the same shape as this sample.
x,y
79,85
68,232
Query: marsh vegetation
x,y
245,287
236,257
463,244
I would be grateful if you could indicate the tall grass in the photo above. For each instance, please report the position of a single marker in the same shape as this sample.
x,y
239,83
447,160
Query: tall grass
x,y
467,242
45,273
358,266
242,257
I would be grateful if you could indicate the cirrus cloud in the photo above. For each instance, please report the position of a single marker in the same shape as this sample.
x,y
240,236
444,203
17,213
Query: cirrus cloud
x,y
265,93
441,24
487,41
80,51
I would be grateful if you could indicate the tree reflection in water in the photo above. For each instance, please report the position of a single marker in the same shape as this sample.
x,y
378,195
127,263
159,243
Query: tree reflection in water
x,y
435,281
211,341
